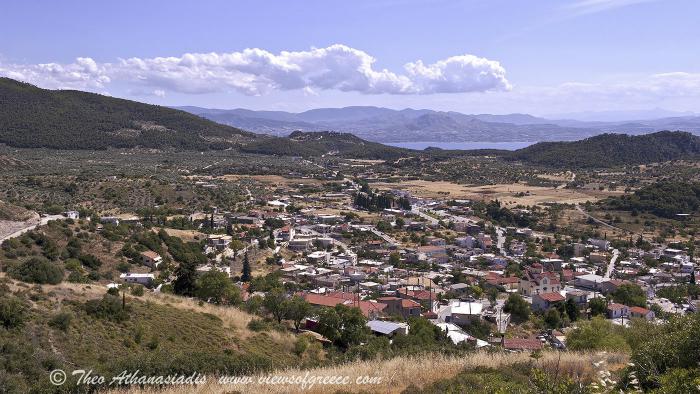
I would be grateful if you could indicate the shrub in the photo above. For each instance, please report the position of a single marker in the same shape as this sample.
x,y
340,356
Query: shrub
x,y
90,261
12,311
73,264
108,307
517,307
153,343
258,325
38,270
300,345
137,290
61,321
77,277
597,334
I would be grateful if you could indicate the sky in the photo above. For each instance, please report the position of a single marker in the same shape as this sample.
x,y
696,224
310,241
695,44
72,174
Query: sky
x,y
542,57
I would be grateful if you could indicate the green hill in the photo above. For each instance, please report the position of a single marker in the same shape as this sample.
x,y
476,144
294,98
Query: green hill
x,y
666,199
321,143
609,150
76,326
31,117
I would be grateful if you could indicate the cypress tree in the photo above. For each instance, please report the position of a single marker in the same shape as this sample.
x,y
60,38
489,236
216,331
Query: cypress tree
x,y
245,276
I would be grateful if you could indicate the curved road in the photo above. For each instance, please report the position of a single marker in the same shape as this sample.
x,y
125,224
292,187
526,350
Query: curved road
x,y
30,227
586,214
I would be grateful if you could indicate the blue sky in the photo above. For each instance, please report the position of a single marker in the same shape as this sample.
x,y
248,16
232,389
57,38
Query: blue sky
x,y
473,56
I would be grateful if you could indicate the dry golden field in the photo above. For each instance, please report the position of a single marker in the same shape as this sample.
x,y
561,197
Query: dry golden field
x,y
397,374
510,194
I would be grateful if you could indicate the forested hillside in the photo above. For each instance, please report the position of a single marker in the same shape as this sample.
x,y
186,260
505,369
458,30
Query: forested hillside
x,y
65,119
665,199
608,150
325,143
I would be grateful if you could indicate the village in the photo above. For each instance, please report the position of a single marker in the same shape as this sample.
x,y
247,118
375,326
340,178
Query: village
x,y
396,257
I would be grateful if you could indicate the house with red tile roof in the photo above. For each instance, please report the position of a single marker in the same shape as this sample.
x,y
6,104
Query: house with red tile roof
x,y
609,286
369,309
400,307
642,313
535,283
616,311
151,259
507,283
424,297
544,301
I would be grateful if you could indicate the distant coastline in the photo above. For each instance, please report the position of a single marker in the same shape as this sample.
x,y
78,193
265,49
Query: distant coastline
x,y
468,145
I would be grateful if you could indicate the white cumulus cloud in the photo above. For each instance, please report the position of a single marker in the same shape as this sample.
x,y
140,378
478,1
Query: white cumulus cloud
x,y
84,73
256,72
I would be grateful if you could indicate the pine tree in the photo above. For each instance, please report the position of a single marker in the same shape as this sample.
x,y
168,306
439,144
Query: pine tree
x,y
186,277
245,276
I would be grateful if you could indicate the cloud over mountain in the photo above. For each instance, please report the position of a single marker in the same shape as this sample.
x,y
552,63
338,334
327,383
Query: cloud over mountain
x,y
257,71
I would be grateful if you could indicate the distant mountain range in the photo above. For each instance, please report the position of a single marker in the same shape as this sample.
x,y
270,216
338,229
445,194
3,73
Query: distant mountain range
x,y
31,117
410,125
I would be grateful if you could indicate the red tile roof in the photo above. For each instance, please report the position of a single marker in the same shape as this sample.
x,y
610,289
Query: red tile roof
x,y
322,300
334,299
614,306
150,254
504,281
367,306
522,344
409,304
552,297
639,310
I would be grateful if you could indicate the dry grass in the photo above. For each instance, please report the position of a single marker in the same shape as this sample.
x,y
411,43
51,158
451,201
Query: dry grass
x,y
233,318
185,235
274,180
397,374
506,193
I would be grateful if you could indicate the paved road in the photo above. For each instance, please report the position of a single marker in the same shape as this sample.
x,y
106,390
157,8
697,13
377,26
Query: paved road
x,y
379,234
30,227
586,214
384,236
501,240
429,218
611,264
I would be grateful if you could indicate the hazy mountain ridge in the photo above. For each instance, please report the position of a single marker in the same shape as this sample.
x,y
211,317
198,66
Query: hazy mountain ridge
x,y
411,125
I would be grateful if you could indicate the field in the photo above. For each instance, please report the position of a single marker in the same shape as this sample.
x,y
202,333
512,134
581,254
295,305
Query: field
x,y
410,373
275,180
510,195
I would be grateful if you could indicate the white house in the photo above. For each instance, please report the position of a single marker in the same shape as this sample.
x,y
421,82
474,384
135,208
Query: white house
x,y
209,267
589,281
616,311
601,244
142,279
460,312
71,214
151,259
